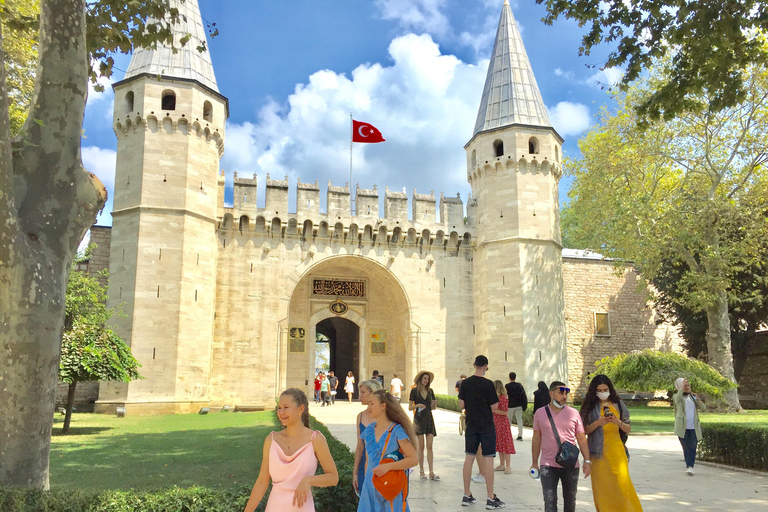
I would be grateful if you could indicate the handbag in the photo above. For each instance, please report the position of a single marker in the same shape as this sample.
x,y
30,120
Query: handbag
x,y
568,453
393,482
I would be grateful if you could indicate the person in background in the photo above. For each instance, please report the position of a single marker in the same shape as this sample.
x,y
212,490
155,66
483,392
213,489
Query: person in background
x,y
570,428
606,423
290,460
505,446
541,396
318,380
396,386
333,381
366,388
458,382
378,377
349,386
422,402
518,403
687,424
325,390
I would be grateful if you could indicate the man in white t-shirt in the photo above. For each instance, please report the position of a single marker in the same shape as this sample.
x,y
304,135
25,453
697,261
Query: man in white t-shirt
x,y
396,387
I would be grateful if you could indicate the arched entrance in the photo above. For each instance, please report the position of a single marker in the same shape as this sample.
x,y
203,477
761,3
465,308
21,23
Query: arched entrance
x,y
336,297
344,348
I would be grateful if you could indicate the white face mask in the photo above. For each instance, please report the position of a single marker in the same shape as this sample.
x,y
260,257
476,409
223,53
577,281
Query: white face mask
x,y
559,406
603,395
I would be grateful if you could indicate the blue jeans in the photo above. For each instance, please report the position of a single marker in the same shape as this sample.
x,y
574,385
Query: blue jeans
x,y
689,443
549,477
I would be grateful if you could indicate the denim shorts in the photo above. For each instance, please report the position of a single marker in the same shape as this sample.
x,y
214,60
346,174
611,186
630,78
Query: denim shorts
x,y
486,439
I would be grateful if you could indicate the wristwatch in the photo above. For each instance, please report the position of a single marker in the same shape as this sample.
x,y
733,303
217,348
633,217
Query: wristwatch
x,y
587,461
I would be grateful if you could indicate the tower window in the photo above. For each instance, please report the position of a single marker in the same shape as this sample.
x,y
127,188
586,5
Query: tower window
x,y
208,111
169,100
498,147
533,146
474,158
129,102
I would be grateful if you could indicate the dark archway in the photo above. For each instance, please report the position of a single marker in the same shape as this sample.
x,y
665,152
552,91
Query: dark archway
x,y
344,338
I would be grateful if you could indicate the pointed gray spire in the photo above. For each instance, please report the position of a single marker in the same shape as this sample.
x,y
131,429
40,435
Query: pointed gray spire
x,y
187,62
511,95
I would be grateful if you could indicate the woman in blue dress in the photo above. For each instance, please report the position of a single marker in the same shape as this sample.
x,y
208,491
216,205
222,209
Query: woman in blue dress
x,y
365,389
386,412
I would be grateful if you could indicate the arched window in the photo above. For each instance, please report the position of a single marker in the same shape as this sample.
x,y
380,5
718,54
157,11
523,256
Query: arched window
x,y
533,146
498,147
169,100
129,102
208,111
474,158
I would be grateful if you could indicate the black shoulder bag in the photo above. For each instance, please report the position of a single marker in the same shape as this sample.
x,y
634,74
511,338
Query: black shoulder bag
x,y
568,453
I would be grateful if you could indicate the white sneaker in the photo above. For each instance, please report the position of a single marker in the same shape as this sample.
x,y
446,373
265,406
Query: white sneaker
x,y
478,479
690,471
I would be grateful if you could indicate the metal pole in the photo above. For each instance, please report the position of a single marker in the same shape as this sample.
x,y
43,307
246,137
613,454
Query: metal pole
x,y
351,136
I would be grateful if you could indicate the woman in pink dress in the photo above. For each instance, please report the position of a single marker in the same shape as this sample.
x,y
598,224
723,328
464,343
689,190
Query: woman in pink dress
x,y
505,445
290,459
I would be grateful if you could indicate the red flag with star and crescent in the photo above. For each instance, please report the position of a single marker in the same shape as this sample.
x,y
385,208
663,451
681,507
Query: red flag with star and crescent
x,y
365,132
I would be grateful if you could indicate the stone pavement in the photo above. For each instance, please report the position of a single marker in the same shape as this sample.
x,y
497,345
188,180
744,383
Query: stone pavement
x,y
656,466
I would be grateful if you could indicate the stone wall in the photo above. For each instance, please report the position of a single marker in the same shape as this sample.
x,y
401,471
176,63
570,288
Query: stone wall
x,y
753,382
593,286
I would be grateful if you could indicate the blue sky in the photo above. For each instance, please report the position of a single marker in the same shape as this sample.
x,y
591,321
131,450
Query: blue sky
x,y
293,70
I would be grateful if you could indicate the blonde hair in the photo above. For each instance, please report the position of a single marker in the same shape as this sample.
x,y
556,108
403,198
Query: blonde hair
x,y
299,398
371,385
500,389
396,414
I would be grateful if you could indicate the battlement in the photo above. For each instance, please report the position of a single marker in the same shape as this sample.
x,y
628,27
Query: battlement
x,y
178,123
338,224
524,165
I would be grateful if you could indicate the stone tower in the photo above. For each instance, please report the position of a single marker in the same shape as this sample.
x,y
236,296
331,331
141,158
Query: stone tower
x,y
169,120
513,166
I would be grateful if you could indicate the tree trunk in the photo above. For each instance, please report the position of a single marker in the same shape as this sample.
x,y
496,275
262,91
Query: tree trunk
x,y
719,345
70,405
47,202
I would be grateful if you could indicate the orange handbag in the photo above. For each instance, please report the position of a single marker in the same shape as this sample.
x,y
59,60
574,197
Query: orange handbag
x,y
392,483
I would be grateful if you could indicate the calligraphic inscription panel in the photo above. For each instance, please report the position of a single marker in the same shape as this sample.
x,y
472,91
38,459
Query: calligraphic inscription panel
x,y
338,288
296,342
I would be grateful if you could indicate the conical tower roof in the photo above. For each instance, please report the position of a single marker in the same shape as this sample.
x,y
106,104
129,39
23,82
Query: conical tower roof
x,y
187,63
511,95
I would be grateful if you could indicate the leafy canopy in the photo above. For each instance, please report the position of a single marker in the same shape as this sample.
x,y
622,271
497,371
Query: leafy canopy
x,y
651,370
92,352
711,44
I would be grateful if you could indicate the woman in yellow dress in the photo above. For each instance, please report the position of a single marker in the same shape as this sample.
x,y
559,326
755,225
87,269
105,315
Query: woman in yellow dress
x,y
606,423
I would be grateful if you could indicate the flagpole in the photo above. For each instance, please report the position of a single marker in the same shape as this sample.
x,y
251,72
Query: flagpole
x,y
351,135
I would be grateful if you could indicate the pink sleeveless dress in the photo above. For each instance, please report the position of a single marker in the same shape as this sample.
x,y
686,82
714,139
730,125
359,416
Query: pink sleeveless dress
x,y
286,474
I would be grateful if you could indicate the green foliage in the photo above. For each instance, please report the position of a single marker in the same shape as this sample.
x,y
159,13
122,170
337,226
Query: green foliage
x,y
735,445
341,497
710,43
651,370
19,26
92,352
86,298
451,403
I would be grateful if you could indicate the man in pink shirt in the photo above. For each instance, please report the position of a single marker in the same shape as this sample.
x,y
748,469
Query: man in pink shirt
x,y
570,428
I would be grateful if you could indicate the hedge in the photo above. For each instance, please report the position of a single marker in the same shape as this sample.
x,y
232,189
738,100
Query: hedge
x,y
744,446
451,403
340,498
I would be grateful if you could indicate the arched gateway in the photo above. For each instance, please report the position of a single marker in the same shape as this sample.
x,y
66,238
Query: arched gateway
x,y
364,308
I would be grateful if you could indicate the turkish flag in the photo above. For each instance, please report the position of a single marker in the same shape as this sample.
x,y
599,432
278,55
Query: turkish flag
x,y
365,132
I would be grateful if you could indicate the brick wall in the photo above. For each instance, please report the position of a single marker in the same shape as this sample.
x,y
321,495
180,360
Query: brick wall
x,y
753,382
593,286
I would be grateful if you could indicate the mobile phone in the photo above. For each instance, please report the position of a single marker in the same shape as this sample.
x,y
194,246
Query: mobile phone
x,y
607,412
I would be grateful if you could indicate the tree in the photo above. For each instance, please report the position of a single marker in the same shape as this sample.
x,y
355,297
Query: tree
x,y
711,44
651,370
47,202
675,189
20,46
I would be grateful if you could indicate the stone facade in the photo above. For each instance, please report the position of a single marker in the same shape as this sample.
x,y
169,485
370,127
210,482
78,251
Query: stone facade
x,y
753,382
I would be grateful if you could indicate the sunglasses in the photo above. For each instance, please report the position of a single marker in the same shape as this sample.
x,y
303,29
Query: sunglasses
x,y
563,390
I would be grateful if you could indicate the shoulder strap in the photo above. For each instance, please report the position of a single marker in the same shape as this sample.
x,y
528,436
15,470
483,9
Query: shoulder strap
x,y
554,428
386,443
314,434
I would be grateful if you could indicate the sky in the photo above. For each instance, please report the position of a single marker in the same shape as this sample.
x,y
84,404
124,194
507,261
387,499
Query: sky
x,y
294,70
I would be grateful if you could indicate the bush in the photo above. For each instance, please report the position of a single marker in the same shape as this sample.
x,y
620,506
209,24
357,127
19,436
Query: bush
x,y
734,445
340,498
451,403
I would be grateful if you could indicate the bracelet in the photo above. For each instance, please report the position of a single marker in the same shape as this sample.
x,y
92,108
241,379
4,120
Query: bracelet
x,y
587,461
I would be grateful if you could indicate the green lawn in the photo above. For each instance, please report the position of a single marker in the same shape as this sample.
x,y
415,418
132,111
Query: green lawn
x,y
153,452
662,419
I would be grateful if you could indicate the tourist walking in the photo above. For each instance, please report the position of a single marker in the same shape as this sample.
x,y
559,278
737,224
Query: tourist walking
x,y
363,420
546,443
349,386
389,435
325,390
518,403
505,446
607,425
333,382
289,459
422,402
396,386
478,398
687,424
541,396
318,380
458,382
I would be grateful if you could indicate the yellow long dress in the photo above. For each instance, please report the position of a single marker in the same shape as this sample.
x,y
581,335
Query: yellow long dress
x,y
611,487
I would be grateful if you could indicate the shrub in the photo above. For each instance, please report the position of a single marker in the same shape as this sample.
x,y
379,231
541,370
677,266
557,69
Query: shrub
x,y
451,403
735,445
340,498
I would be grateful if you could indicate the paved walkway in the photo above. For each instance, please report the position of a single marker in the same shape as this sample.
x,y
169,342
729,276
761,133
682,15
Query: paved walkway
x,y
656,466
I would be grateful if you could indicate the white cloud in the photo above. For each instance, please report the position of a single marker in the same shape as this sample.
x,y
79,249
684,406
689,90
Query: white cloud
x,y
101,162
570,119
418,15
606,78
424,104
568,75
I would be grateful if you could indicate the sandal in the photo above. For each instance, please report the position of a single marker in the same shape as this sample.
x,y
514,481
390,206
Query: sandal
x,y
422,475
499,468
508,471
433,476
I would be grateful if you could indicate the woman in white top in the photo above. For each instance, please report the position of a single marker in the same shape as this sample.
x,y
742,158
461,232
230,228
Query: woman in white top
x,y
349,386
687,424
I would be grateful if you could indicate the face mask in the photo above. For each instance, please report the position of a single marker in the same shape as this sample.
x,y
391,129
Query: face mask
x,y
603,395
554,402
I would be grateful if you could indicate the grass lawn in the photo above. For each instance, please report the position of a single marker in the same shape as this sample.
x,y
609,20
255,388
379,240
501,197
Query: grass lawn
x,y
662,419
153,452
